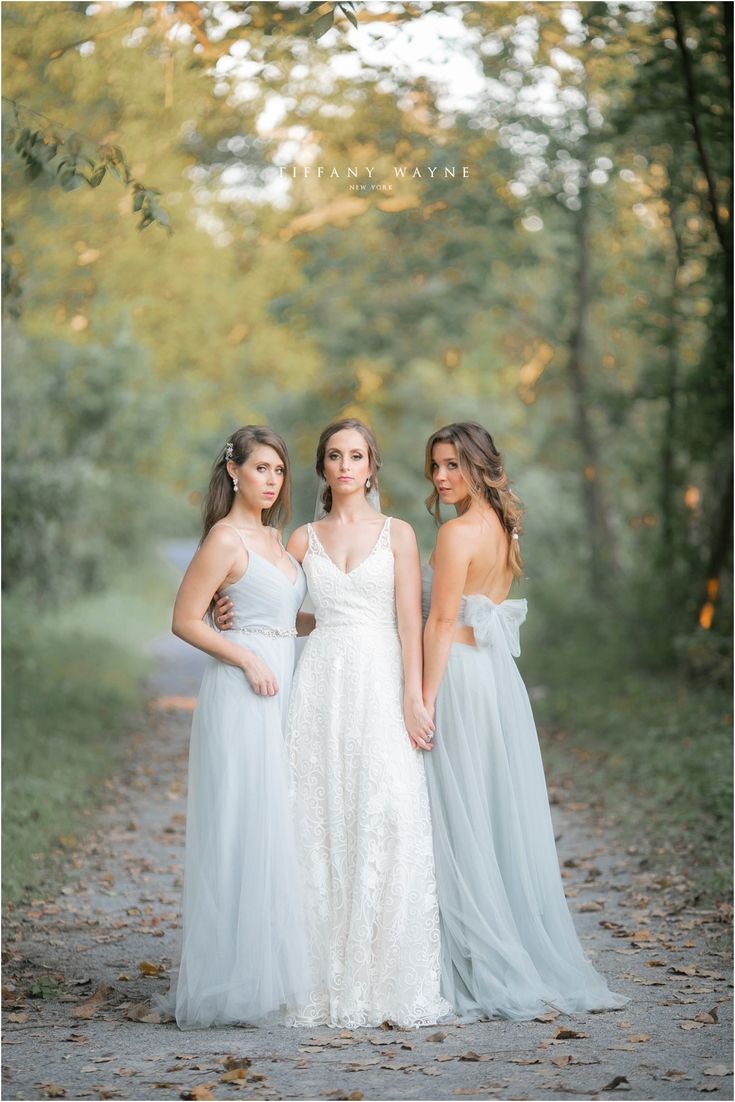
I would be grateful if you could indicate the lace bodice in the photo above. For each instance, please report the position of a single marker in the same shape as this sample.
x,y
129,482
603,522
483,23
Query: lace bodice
x,y
490,623
360,599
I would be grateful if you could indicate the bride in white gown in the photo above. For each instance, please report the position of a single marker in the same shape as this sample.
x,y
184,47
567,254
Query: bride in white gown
x,y
508,942
356,720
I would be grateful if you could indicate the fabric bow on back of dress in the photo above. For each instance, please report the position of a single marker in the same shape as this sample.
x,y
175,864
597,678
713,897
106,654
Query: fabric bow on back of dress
x,y
493,624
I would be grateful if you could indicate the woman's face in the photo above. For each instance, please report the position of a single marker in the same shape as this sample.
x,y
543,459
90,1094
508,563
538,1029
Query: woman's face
x,y
346,462
260,478
448,479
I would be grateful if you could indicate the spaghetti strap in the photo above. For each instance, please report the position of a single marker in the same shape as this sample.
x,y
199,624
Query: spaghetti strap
x,y
224,524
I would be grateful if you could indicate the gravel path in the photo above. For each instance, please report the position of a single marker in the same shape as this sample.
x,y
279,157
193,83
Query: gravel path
x,y
79,966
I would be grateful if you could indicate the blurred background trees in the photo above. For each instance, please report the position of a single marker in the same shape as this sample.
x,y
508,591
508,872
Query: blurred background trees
x,y
573,293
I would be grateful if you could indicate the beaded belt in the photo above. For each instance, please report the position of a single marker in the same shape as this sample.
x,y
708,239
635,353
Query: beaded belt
x,y
273,633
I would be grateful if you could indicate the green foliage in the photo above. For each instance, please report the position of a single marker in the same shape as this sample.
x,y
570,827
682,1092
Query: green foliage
x,y
653,752
72,693
68,158
73,426
436,300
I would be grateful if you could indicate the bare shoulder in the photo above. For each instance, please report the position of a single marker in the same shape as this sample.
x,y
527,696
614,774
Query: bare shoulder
x,y
402,534
298,542
453,533
221,537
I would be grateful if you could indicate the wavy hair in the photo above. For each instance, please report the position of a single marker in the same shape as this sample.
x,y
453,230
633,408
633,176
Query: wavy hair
x,y
482,466
219,497
372,449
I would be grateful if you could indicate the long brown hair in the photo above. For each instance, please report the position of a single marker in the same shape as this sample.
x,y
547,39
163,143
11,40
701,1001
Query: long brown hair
x,y
219,497
482,466
372,449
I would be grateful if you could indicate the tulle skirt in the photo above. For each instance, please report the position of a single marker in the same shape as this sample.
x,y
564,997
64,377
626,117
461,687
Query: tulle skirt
x,y
243,955
509,947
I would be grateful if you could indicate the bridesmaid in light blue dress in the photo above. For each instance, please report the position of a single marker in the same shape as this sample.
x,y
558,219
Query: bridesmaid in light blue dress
x,y
509,948
243,955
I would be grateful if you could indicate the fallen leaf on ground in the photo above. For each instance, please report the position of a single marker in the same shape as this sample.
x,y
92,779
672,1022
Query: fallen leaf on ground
x,y
683,970
89,1008
437,1037
614,1083
563,1060
54,1090
691,1025
150,969
591,905
18,1018
202,1093
444,1058
639,1038
235,1063
551,1016
708,1017
564,1034
716,1069
474,1058
237,1074
142,1012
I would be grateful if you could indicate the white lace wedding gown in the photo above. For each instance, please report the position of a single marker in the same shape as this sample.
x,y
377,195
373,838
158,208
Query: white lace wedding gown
x,y
361,809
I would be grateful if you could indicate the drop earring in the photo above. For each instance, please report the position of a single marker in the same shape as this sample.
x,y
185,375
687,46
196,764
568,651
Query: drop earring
x,y
234,484
367,484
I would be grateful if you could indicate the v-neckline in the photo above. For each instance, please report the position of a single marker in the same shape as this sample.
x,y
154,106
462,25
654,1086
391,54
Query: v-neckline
x,y
371,552
291,581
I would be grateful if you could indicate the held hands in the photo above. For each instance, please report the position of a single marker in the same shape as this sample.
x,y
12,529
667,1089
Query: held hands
x,y
419,724
223,607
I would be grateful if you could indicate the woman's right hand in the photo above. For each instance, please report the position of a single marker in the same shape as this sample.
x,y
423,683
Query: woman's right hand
x,y
262,679
222,614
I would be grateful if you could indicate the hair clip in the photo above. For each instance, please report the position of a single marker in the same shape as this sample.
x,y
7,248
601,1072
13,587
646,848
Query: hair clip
x,y
229,450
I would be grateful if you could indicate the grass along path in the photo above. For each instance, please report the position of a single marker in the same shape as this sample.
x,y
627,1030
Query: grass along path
x,y
73,691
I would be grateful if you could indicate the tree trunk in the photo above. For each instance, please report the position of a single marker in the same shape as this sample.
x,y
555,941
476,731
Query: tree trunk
x,y
720,543
599,536
724,233
668,473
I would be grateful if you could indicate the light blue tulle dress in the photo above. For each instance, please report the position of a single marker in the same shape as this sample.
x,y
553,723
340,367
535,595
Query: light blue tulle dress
x,y
509,947
243,954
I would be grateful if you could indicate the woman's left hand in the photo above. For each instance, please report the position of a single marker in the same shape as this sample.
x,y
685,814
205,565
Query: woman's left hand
x,y
419,724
